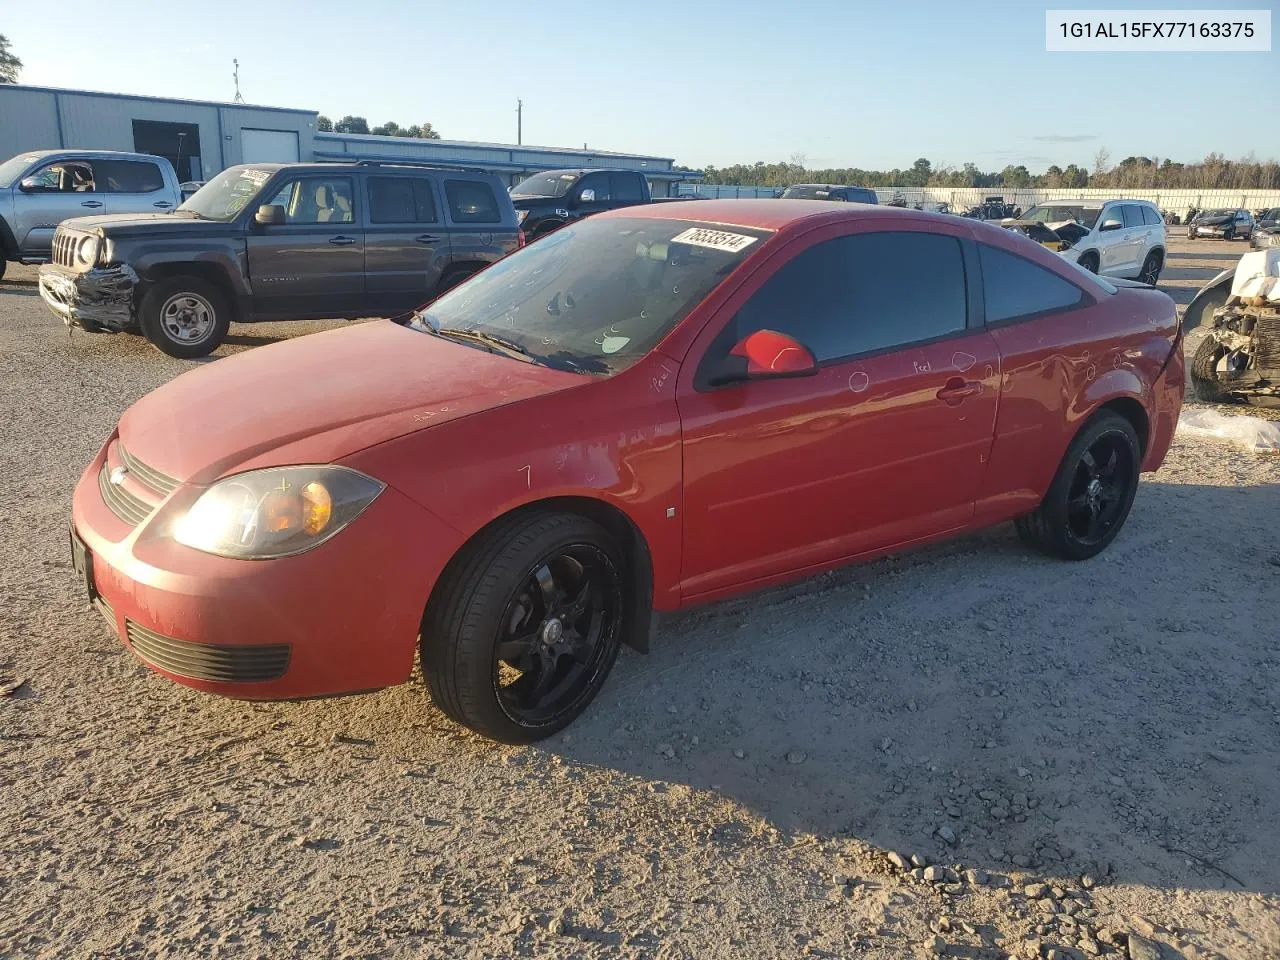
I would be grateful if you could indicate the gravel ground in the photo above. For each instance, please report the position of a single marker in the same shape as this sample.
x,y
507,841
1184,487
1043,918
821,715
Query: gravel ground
x,y
1079,758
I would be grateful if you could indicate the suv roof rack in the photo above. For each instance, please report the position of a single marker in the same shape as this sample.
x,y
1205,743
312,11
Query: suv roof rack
x,y
415,163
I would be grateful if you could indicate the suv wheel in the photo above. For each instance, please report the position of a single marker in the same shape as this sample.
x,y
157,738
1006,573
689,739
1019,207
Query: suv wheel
x,y
186,317
1151,268
1089,261
1228,234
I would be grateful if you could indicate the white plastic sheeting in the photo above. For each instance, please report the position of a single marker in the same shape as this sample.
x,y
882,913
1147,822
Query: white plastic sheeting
x,y
1253,433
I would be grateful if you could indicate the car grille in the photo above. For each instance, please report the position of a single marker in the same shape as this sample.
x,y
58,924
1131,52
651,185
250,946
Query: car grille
x,y
123,502
1267,337
129,508
203,661
64,248
157,481
108,613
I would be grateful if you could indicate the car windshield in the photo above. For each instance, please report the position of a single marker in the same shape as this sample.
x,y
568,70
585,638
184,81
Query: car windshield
x,y
1217,213
545,185
227,194
805,191
1058,213
593,297
11,169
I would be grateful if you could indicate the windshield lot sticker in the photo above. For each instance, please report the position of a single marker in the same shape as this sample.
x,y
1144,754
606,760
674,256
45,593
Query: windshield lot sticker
x,y
714,239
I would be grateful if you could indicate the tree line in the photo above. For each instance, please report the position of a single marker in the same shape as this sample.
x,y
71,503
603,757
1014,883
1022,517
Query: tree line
x,y
1214,172
350,124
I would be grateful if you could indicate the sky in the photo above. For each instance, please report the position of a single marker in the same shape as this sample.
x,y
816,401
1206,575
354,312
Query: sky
x,y
703,81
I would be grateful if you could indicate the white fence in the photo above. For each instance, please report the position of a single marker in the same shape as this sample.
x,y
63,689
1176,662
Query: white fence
x,y
960,198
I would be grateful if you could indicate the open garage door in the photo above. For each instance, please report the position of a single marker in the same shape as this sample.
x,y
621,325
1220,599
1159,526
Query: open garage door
x,y
268,146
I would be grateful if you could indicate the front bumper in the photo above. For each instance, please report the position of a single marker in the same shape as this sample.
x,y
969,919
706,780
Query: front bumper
x,y
342,618
1166,403
99,299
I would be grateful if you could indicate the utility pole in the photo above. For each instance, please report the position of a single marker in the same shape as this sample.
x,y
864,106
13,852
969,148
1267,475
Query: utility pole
x,y
238,98
519,122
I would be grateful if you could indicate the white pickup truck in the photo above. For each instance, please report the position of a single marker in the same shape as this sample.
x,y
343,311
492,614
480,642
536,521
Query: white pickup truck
x,y
39,190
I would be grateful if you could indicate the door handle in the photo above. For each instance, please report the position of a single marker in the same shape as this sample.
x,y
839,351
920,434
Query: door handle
x,y
162,203
90,203
427,238
342,241
957,389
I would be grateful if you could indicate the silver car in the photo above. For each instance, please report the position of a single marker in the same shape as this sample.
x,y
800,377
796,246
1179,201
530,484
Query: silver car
x,y
39,190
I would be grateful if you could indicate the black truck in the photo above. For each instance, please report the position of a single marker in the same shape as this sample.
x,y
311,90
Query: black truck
x,y
548,200
265,242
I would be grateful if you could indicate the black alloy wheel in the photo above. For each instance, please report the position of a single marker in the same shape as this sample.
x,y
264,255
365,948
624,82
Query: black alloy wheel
x,y
1097,498
556,633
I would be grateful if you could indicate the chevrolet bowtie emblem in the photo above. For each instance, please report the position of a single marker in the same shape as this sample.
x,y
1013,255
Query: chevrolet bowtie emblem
x,y
117,475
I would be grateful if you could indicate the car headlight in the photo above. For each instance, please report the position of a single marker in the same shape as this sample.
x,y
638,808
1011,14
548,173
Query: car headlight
x,y
521,215
276,512
87,251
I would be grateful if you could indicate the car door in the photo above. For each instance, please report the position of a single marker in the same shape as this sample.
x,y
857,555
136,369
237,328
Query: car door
x,y
1040,323
1244,224
885,444
312,264
55,192
406,247
131,186
1111,240
1136,233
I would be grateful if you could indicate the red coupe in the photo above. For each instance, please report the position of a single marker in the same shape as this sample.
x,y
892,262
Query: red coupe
x,y
645,410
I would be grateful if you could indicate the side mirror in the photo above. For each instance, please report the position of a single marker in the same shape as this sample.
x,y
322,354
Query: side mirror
x,y
1110,224
587,196
269,214
33,185
765,355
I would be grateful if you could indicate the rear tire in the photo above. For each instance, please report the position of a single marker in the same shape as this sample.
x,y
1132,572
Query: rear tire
x,y
1151,267
525,625
1204,372
1091,494
185,317
1089,261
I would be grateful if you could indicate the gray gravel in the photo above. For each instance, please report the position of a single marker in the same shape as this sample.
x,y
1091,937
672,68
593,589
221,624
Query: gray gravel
x,y
1077,758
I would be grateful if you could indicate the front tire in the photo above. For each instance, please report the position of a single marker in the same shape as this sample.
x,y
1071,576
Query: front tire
x,y
1204,372
1091,494
525,625
185,317
1089,261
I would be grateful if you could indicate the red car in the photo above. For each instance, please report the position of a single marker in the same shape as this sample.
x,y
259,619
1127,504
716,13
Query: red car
x,y
644,410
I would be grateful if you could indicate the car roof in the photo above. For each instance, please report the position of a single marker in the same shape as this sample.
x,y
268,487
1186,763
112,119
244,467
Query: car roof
x,y
381,167
103,154
770,214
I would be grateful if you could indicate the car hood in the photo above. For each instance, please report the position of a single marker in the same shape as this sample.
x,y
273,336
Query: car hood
x,y
1211,221
319,398
117,224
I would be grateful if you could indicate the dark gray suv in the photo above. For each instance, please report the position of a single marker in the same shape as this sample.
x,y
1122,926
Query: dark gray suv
x,y
280,242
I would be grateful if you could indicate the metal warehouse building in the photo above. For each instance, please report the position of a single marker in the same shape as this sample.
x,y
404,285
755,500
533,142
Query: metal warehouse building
x,y
201,138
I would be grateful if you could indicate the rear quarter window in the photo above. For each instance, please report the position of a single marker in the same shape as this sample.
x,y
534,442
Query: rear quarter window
x,y
1014,288
472,201
1150,217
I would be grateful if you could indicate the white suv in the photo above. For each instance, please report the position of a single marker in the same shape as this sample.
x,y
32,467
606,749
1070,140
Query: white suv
x,y
1114,238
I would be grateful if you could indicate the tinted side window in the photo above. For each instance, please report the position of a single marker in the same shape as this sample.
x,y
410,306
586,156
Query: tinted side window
x,y
599,182
471,201
1014,287
391,200
1149,216
1132,215
625,187
401,200
127,176
863,293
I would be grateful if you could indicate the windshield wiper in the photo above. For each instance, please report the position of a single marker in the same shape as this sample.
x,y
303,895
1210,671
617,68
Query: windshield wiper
x,y
497,344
